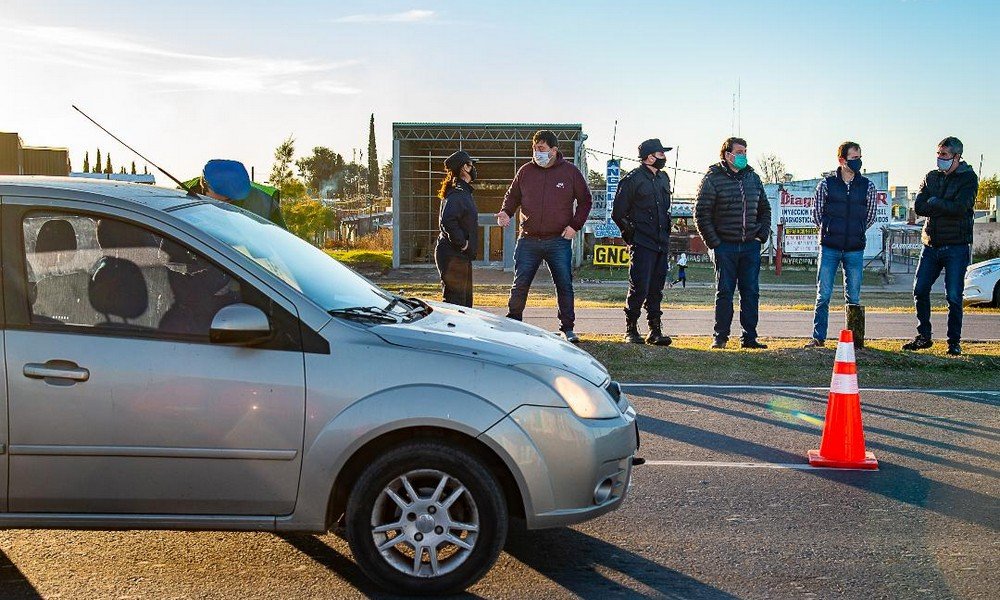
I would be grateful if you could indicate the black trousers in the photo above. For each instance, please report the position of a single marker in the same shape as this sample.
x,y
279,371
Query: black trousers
x,y
456,275
647,274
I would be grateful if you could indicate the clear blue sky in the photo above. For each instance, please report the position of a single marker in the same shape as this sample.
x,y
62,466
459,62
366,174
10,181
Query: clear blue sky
x,y
185,81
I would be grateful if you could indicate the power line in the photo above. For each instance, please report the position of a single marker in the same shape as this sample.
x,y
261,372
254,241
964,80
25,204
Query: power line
x,y
636,160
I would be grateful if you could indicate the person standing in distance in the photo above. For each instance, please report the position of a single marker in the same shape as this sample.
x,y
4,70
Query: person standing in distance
x,y
946,197
457,243
845,208
682,264
642,212
546,190
733,218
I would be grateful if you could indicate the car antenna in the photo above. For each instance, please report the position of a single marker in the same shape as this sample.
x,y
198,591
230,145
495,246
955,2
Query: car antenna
x,y
136,152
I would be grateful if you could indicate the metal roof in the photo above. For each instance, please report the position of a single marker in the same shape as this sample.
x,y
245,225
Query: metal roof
x,y
159,198
494,125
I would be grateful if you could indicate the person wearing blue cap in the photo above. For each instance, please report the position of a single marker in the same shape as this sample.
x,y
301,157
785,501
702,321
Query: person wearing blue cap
x,y
228,181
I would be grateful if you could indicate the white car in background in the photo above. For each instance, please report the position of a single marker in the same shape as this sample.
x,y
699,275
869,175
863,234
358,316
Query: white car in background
x,y
982,283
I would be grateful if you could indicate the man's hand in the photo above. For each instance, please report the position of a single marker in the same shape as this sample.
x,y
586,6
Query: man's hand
x,y
568,233
503,219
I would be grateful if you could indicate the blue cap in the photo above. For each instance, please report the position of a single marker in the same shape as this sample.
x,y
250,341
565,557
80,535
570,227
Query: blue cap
x,y
227,178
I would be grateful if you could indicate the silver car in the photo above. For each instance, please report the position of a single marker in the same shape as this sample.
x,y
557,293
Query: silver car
x,y
176,363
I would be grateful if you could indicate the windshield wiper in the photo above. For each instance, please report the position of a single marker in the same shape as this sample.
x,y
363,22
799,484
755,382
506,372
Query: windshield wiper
x,y
365,313
419,307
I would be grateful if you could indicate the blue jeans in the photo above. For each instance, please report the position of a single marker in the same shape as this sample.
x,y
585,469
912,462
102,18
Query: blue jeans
x,y
954,260
647,274
557,254
737,265
830,259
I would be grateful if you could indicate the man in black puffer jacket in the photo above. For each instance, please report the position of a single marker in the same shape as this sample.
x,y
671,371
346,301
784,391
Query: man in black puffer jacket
x,y
733,217
946,197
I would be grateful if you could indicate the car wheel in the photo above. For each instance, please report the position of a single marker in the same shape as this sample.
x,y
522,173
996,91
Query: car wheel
x,y
996,295
426,518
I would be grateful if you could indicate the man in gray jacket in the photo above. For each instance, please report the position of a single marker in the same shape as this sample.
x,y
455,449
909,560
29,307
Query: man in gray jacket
x,y
733,218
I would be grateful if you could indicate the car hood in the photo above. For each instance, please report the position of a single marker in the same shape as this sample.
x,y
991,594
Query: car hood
x,y
481,335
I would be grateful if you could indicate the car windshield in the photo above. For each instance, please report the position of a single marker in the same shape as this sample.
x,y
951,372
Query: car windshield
x,y
308,269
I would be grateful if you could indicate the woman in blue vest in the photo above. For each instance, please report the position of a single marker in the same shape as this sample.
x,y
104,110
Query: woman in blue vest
x,y
457,243
844,210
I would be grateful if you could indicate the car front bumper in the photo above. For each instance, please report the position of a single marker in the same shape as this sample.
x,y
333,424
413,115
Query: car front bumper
x,y
568,469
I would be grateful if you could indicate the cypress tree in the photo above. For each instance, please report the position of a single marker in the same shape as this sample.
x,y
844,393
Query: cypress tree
x,y
97,165
107,167
86,161
133,167
372,159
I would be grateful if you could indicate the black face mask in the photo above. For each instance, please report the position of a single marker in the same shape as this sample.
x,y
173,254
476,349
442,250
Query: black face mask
x,y
658,163
473,174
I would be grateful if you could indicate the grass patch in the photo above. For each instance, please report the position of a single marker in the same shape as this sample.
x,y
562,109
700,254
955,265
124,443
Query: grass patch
x,y
363,259
542,295
786,362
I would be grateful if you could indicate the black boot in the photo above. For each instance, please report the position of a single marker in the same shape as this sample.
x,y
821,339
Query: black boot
x,y
632,331
656,336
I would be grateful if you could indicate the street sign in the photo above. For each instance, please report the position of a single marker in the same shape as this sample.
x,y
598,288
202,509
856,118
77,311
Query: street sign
x,y
611,256
612,177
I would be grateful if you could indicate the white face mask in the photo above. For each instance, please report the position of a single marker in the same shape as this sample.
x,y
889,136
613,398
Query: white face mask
x,y
542,158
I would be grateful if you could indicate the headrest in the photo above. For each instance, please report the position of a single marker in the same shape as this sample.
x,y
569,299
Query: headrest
x,y
55,235
117,287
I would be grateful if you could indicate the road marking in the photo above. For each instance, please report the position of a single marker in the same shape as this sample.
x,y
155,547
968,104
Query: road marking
x,y
798,388
743,465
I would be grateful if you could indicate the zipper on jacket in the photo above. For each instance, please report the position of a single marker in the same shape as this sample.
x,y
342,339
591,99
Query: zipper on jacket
x,y
744,196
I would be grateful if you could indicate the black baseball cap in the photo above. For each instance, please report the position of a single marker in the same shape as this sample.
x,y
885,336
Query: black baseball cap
x,y
651,147
456,160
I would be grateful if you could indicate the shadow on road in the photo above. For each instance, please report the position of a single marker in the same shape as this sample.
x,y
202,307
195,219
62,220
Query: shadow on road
x,y
343,567
13,584
584,565
892,480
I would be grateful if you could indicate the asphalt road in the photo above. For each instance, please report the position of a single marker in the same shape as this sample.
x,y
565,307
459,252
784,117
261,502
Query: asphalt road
x,y
725,509
781,323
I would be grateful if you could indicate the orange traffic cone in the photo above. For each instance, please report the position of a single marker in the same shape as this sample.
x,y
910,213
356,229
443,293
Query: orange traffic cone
x,y
843,443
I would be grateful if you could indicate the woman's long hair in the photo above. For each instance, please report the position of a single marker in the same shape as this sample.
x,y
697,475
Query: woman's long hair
x,y
451,179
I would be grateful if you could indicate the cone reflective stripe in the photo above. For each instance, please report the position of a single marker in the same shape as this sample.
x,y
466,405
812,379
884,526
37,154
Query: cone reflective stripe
x,y
843,443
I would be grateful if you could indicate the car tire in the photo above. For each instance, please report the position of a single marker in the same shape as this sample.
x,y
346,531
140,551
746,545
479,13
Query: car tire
x,y
996,295
425,495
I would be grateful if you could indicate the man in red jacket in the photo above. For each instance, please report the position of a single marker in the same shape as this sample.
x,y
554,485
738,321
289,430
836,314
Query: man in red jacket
x,y
545,190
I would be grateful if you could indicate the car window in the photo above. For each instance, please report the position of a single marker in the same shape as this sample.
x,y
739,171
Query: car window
x,y
104,273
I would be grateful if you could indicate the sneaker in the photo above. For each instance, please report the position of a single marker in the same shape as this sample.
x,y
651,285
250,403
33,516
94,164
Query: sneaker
x,y
954,348
918,343
753,345
719,343
570,336
814,343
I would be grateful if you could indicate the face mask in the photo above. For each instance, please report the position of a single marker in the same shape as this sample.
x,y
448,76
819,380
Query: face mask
x,y
659,163
740,160
945,163
473,173
854,164
542,158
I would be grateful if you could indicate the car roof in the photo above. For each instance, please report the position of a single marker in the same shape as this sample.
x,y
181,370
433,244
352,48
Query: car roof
x,y
111,192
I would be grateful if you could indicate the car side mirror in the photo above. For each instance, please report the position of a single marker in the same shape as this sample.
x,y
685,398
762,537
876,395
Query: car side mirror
x,y
239,325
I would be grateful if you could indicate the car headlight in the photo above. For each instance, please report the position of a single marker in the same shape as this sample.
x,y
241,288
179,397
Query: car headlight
x,y
585,399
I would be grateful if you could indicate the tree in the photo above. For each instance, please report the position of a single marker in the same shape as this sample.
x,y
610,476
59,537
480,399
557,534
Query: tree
x,y
122,171
988,188
307,218
107,166
355,177
372,159
86,161
133,167
281,170
322,170
596,181
145,169
386,178
772,169
294,190
97,165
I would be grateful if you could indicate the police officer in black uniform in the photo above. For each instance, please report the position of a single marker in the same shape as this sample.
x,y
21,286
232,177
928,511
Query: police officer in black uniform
x,y
459,222
642,212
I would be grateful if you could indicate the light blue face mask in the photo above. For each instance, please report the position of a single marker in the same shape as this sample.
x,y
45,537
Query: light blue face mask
x,y
740,160
945,163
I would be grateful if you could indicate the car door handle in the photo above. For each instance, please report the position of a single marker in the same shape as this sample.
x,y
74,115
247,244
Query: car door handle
x,y
56,369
